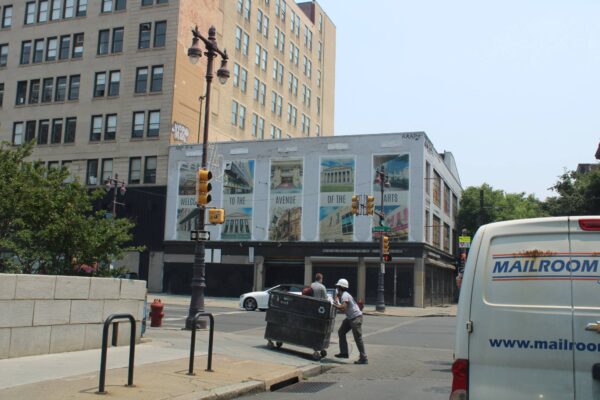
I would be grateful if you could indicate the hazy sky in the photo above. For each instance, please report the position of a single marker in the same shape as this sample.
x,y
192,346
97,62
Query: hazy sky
x,y
510,87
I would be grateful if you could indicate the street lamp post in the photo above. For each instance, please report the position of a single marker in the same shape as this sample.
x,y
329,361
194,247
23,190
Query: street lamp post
x,y
382,179
198,271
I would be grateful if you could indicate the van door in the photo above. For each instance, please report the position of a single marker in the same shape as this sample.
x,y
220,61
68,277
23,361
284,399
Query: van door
x,y
585,260
521,313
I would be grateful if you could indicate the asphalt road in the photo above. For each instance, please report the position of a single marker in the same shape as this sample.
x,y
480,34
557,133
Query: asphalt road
x,y
409,358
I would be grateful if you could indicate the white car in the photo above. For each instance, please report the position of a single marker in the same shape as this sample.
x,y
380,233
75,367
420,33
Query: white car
x,y
253,300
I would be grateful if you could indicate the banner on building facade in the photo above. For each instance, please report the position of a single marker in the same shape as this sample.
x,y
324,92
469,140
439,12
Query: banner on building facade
x,y
395,195
186,199
285,200
238,197
336,221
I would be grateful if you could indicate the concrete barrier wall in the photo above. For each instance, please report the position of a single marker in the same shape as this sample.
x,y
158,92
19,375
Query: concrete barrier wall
x,y
41,314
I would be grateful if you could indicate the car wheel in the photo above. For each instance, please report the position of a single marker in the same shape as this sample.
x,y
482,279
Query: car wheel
x,y
250,304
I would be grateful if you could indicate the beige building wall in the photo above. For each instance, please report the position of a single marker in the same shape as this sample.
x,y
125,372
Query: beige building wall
x,y
183,83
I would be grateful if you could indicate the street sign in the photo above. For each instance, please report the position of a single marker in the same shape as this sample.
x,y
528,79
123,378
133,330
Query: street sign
x,y
199,235
381,229
464,242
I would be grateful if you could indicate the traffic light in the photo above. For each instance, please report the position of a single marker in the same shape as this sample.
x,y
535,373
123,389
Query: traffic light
x,y
370,205
204,187
355,205
216,216
386,248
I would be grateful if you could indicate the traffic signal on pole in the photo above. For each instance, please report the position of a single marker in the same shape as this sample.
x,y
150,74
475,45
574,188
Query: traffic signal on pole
x,y
370,205
386,248
204,187
355,205
216,216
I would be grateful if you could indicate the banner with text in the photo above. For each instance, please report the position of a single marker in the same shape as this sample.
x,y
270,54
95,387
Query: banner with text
x,y
395,196
238,193
285,200
186,199
336,221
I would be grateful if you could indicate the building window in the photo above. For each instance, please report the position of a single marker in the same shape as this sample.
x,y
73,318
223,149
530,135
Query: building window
x,y
21,92
51,48
100,84
135,170
65,46
117,40
56,10
57,127
82,8
17,133
244,82
436,228
47,87
34,91
70,129
245,43
141,79
437,187
69,8
247,7
38,51
96,128
1,93
144,36
234,112
157,78
153,123
74,87
160,33
137,130
254,124
30,13
7,13
77,45
43,130
110,129
25,52
29,131
42,11
107,169
103,40
115,82
61,88
91,176
236,75
150,170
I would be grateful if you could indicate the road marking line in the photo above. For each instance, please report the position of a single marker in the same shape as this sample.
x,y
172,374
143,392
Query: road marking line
x,y
391,328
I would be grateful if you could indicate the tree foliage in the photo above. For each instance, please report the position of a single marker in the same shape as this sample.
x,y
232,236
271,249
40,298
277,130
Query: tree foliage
x,y
48,226
578,194
495,205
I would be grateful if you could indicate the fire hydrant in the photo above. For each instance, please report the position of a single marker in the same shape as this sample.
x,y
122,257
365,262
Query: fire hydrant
x,y
156,313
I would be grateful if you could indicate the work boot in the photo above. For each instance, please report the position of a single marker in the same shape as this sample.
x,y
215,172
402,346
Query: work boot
x,y
341,355
361,361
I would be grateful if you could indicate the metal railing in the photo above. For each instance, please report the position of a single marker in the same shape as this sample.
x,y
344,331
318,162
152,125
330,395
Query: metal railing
x,y
210,341
114,342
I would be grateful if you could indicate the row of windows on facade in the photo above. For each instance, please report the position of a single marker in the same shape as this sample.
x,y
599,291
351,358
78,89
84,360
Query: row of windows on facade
x,y
261,54
56,48
238,118
437,187
47,90
101,126
240,78
134,175
262,22
41,11
434,228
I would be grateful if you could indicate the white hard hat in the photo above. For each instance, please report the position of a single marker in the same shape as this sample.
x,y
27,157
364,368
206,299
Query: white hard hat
x,y
343,283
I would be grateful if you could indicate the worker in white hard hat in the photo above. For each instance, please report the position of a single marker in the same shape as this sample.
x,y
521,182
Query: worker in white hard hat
x,y
346,303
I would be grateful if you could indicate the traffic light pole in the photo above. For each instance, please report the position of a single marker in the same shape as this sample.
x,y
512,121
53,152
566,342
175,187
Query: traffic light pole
x,y
380,304
199,269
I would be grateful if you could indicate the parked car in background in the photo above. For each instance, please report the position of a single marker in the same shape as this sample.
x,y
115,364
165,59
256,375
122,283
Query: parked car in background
x,y
253,300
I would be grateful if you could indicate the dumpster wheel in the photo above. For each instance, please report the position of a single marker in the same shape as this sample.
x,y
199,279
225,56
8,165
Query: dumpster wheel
x,y
323,353
316,355
279,344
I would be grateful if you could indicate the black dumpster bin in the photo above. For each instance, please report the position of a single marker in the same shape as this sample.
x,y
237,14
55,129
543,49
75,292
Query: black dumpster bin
x,y
300,320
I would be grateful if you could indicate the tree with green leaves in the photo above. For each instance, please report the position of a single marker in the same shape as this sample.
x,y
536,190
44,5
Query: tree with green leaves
x,y
483,204
578,194
48,225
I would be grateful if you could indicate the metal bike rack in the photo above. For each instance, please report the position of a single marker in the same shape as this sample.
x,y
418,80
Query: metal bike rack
x,y
114,342
210,341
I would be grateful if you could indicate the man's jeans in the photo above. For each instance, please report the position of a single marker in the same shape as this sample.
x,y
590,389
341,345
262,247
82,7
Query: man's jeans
x,y
356,326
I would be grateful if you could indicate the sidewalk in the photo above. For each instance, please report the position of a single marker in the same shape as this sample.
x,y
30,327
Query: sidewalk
x,y
239,366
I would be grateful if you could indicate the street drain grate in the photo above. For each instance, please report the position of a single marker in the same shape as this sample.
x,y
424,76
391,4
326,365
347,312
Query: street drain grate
x,y
306,387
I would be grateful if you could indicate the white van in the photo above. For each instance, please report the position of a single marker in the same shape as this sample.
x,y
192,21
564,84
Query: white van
x,y
528,321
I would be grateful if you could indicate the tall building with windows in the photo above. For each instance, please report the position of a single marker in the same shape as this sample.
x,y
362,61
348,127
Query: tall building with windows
x,y
105,86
